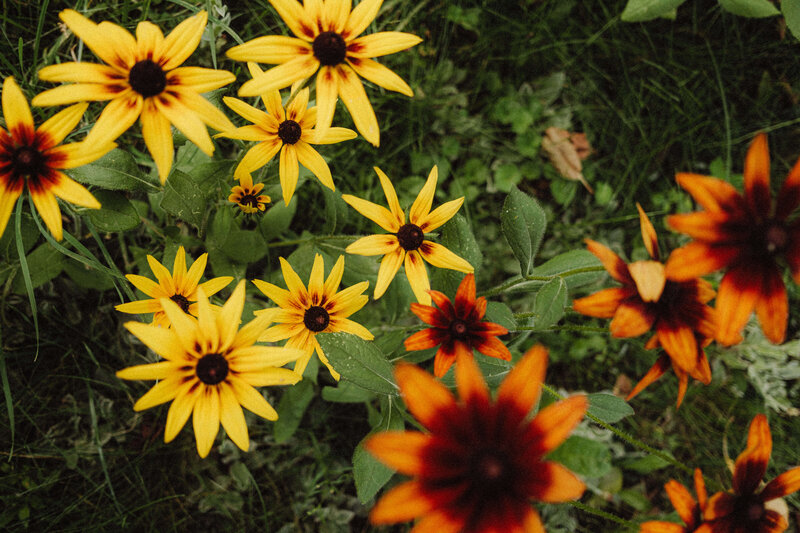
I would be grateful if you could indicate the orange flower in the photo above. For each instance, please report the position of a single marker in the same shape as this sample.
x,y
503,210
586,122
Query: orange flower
x,y
458,329
744,510
651,298
690,511
481,461
747,235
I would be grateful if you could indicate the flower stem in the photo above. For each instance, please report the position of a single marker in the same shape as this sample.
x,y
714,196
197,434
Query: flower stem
x,y
608,516
519,280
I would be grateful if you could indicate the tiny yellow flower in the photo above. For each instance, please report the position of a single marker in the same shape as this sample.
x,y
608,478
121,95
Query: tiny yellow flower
x,y
246,196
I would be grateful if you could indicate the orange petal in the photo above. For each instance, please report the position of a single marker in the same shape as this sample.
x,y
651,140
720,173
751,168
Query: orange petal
x,y
785,484
682,501
713,194
602,304
554,483
615,266
772,307
719,506
520,389
656,371
401,450
752,462
680,343
700,489
422,340
737,296
756,176
465,295
633,318
493,348
426,399
404,502
469,380
704,226
697,259
789,195
661,527
553,424
648,233
430,315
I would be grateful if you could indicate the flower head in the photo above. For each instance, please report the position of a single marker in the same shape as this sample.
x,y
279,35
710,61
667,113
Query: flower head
x,y
288,130
747,235
405,242
650,298
480,461
321,308
142,78
746,509
457,328
181,287
246,196
690,511
33,157
328,44
211,369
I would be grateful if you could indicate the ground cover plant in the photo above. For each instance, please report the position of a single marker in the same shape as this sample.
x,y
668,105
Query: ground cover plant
x,y
457,261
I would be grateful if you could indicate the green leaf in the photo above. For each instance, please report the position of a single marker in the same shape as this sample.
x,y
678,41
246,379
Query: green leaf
x,y
507,176
8,242
641,10
551,300
523,223
44,263
578,267
346,392
585,457
88,277
115,214
791,12
750,8
608,408
117,170
183,198
276,220
500,313
644,465
456,236
370,474
244,246
359,361
292,406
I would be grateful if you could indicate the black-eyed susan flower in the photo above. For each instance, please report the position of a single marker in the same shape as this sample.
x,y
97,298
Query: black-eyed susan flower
x,y
747,235
405,242
481,462
181,287
747,508
322,308
689,509
142,78
327,44
288,131
247,197
457,328
211,369
650,298
34,157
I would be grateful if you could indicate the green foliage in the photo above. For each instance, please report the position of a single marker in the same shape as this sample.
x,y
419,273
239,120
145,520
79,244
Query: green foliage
x,y
359,361
523,222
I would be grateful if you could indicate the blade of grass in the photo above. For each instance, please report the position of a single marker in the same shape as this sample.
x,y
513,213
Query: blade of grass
x,y
102,458
26,273
7,394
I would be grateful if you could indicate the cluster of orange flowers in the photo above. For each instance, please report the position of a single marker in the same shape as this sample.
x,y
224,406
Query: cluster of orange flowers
x,y
481,460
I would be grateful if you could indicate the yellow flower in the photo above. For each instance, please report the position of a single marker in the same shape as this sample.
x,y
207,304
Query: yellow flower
x,y
320,309
181,287
288,131
246,196
406,242
33,158
142,79
211,370
328,45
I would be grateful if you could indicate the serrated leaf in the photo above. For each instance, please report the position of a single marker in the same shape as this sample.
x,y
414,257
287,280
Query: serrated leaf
x,y
750,8
292,406
523,223
117,170
369,473
608,408
578,267
551,300
641,10
183,198
115,214
585,457
359,361
791,12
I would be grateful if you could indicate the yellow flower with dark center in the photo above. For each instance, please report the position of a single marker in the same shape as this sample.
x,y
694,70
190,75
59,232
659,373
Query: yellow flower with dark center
x,y
246,196
142,78
327,44
288,130
181,287
321,308
405,242
33,158
211,370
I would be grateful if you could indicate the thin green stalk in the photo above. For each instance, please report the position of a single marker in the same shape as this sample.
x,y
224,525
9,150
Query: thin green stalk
x,y
608,516
588,329
7,395
26,273
518,280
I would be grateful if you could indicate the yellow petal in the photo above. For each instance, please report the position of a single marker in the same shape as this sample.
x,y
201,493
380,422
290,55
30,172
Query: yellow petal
x,y
122,43
441,257
334,277
79,92
80,72
381,44
258,156
204,109
139,307
100,42
116,118
157,134
161,392
162,341
8,198
232,417
199,79
391,195
182,406
374,245
147,286
440,215
376,213
16,110
272,376
186,120
348,326
280,296
73,192
47,206
310,158
160,370
335,14
214,285
61,124
250,399
297,107
281,76
316,280
73,155
295,17
361,17
649,278
272,49
246,133
288,171
205,420
390,264
422,205
243,109
190,278
327,95
333,136
418,277
149,40
182,41
254,359
355,99
230,316
293,282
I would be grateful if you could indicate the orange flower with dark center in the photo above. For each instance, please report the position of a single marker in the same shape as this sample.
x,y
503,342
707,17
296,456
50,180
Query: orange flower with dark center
x,y
747,509
746,234
457,328
481,462
651,298
690,511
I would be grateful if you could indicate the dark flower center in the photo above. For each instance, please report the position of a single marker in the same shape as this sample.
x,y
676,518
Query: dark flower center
x,y
329,48
289,131
776,237
459,329
182,302
755,511
316,318
250,200
212,369
410,237
27,161
147,78
490,468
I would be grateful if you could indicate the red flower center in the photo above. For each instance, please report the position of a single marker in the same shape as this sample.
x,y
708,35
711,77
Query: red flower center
x,y
27,161
490,467
147,78
776,237
289,131
459,329
182,302
755,511
410,237
316,318
329,48
212,369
